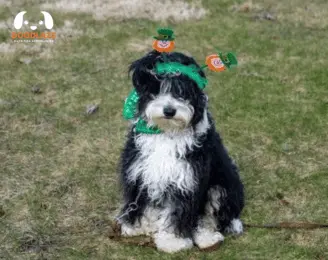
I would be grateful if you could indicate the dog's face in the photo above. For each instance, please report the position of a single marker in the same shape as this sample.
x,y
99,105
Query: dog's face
x,y
173,102
32,21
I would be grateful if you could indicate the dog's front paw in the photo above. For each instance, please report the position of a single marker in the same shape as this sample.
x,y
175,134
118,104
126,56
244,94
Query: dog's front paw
x,y
170,243
205,238
130,231
235,227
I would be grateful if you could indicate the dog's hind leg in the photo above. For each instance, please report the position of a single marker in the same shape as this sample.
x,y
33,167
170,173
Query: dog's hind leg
x,y
235,227
227,192
207,233
205,236
227,211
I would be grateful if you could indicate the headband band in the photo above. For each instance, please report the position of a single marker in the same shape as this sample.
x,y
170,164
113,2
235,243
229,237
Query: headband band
x,y
175,67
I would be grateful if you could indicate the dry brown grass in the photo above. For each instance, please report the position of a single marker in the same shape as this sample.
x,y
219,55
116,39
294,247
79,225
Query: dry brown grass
x,y
59,187
175,10
139,45
297,12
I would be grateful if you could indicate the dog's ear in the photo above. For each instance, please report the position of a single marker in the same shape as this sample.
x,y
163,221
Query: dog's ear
x,y
139,76
18,22
142,77
48,21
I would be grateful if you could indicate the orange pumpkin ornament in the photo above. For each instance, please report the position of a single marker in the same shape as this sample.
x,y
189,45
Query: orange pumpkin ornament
x,y
163,46
214,63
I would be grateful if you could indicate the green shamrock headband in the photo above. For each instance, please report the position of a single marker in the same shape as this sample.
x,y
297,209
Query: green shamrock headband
x,y
164,43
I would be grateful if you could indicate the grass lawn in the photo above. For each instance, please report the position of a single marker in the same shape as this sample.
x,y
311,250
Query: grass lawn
x,y
58,165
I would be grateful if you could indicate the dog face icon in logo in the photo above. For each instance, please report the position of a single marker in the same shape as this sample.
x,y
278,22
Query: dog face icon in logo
x,y
47,21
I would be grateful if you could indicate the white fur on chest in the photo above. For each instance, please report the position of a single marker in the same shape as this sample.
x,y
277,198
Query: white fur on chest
x,y
162,163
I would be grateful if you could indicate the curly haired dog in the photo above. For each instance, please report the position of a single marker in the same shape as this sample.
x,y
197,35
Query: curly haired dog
x,y
180,186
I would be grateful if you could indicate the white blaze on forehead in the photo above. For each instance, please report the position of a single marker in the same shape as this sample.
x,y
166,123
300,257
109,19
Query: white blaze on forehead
x,y
166,86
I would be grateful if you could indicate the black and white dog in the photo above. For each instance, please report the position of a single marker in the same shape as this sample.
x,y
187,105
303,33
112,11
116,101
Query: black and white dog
x,y
180,186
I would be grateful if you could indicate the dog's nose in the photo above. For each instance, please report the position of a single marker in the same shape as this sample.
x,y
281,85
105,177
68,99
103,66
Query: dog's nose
x,y
169,111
